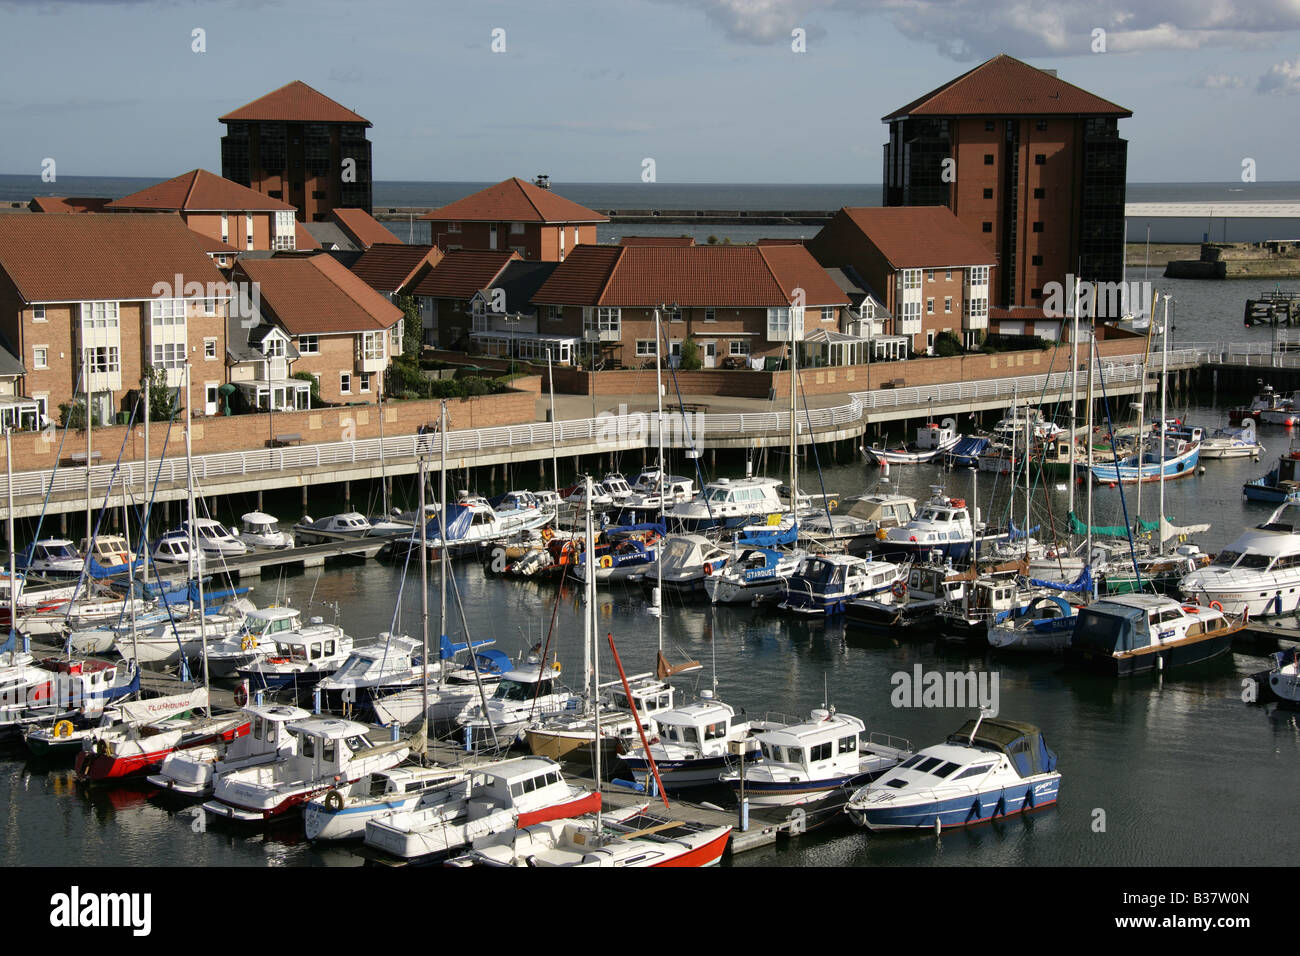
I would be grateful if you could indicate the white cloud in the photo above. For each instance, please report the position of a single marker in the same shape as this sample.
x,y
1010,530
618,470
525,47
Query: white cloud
x,y
976,29
1222,81
1282,80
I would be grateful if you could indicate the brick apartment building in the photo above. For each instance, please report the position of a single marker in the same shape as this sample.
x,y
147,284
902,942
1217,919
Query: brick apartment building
x,y
514,216
737,302
1037,168
299,146
931,270
95,297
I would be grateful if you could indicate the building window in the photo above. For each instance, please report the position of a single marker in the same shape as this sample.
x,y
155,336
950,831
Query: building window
x,y
1036,260
395,339
675,315
1038,227
1041,126
453,227
929,306
273,348
929,340
739,347
1040,159
364,382
645,347
988,194
779,321
103,360
38,313
989,126
978,275
309,345
345,383
209,349
169,355
99,315
1040,193
828,313
602,320
911,278
40,356
986,226
372,346
988,159
225,228
209,306
164,312
1035,293
947,276
947,303
554,312
516,229
710,315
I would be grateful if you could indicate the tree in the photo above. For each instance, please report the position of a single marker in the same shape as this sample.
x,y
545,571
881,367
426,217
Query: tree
x,y
412,327
946,344
163,400
690,359
315,386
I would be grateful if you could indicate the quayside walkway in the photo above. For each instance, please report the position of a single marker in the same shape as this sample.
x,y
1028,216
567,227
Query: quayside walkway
x,y
838,418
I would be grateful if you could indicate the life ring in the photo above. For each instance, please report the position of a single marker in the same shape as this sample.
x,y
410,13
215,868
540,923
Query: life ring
x,y
248,642
1191,609
606,561
708,568
1216,606
334,801
63,729
547,535
899,589
241,696
959,502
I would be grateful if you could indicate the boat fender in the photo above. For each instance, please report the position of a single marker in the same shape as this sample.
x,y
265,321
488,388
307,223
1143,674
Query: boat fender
x,y
606,561
899,589
334,801
248,643
63,728
881,534
1216,606
241,696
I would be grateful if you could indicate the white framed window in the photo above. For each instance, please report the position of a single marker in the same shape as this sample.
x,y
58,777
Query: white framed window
x,y
209,306
285,222
273,347
282,242
929,275
929,340
603,320
38,313
167,312
395,338
978,275
345,383
911,278
103,360
929,306
40,356
710,315
516,229
363,382
828,313
947,276
645,347
480,321
779,321
453,227
169,355
372,346
225,228
554,313
739,347
675,315
42,400
209,349
947,303
309,345
99,315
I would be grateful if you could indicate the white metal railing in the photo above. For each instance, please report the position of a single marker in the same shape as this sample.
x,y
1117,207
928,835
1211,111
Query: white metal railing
x,y
635,430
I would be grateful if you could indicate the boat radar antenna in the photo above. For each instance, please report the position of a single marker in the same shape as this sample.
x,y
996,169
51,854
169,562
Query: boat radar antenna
x,y
984,712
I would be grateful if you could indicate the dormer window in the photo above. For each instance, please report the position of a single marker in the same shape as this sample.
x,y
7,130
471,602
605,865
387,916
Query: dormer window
x,y
273,347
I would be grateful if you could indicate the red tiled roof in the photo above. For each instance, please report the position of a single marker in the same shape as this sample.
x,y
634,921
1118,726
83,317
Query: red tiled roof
x,y
722,275
657,241
791,241
580,277
462,272
387,266
314,294
920,237
295,103
514,201
1030,312
67,204
200,191
83,258
302,238
1004,86
364,228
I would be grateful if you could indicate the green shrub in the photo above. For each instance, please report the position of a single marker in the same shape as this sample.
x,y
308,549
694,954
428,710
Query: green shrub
x,y
947,345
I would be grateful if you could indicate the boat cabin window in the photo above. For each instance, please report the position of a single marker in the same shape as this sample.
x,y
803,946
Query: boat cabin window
x,y
848,745
793,755
946,770
690,735
912,761
258,724
668,732
317,652
378,785
307,745
1227,559
358,743
716,731
821,751
975,771
1254,561
328,751
928,764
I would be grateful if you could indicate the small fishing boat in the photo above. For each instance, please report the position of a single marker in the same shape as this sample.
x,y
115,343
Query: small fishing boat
x,y
1177,461
302,657
855,526
572,736
1044,624
686,559
932,442
751,575
262,532
942,530
341,813
172,550
75,691
914,608
990,768
1282,682
51,558
1281,484
523,695
808,762
1137,633
329,752
133,748
455,691
393,663
824,584
193,772
1264,399
1283,411
350,524
499,798
1239,442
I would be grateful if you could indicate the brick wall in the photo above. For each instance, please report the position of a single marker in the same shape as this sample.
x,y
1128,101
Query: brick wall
x,y
217,434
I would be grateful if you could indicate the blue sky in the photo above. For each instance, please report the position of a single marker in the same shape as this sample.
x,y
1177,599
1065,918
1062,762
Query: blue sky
x,y
586,89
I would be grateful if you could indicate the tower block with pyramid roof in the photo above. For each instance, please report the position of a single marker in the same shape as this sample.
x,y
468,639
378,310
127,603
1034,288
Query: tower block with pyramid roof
x,y
1033,164
299,146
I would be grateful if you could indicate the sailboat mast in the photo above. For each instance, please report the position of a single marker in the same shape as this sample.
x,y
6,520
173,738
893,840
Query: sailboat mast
x,y
589,627
1087,554
1074,391
13,568
85,359
144,528
589,578
555,461
424,595
383,476
193,537
663,517
794,424
1164,372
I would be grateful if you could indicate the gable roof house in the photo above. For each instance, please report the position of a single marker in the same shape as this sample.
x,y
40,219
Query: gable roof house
x,y
93,299
444,293
517,216
738,303
345,332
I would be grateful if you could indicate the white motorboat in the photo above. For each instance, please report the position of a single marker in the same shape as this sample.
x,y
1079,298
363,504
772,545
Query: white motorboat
x,y
349,524
262,532
807,762
524,694
1258,573
389,665
686,559
990,768
857,522
1045,624
194,772
329,752
341,813
52,557
172,550
1017,424
455,691
173,634
213,539
616,487
302,657
728,503
1239,442
471,523
932,442
254,640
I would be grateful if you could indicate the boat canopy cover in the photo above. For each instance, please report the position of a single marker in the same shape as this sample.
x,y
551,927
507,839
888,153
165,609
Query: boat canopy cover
x,y
1110,530
493,662
459,518
448,650
968,447
1110,628
1082,584
1016,534
1022,743
769,539
656,526
99,571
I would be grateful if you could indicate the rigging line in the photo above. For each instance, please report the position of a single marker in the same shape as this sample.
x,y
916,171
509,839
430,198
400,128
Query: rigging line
x,y
443,556
1105,403
49,492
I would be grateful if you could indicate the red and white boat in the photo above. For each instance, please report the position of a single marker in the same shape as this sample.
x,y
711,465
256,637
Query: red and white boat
x,y
330,753
133,747
193,772
631,838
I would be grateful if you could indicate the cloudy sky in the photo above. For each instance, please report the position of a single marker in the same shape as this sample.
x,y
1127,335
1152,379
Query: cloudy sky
x,y
713,90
